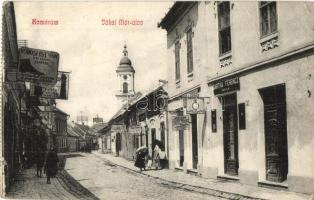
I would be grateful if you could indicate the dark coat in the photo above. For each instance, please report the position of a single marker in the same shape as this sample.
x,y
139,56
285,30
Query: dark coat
x,y
52,163
40,159
140,160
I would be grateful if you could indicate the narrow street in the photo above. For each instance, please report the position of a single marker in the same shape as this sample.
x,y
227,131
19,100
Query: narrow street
x,y
107,181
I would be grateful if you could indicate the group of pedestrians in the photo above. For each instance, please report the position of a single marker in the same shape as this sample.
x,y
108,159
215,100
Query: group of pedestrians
x,y
48,163
157,159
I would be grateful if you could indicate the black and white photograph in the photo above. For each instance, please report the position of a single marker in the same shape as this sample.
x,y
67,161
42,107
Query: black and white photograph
x,y
157,100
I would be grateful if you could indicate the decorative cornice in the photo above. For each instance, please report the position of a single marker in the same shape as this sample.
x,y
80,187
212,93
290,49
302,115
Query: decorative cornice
x,y
290,53
270,44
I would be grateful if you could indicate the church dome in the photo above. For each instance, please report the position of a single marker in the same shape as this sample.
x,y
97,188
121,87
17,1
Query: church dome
x,y
125,61
125,64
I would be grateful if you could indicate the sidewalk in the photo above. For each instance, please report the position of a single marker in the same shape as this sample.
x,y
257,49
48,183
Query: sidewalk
x,y
219,188
29,186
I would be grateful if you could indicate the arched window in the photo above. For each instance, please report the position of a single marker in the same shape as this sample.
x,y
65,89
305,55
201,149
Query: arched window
x,y
125,87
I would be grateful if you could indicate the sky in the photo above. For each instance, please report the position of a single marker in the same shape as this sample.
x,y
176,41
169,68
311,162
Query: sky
x,y
92,51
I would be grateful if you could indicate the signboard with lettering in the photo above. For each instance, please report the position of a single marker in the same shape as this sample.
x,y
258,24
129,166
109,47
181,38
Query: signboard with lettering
x,y
57,91
38,66
118,128
195,105
227,85
180,122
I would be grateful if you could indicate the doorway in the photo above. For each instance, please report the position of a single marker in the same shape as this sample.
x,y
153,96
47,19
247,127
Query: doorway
x,y
275,125
194,141
118,143
181,147
153,132
230,134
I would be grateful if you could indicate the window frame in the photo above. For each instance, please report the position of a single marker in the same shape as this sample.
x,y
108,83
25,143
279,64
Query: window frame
x,y
260,7
189,51
220,29
177,61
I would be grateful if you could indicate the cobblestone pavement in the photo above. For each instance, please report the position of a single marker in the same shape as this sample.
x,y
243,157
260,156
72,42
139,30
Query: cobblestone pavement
x,y
63,187
109,181
103,176
220,188
29,186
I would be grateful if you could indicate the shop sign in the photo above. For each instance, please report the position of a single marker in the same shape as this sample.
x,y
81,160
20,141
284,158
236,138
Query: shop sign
x,y
58,91
195,105
180,122
38,66
227,85
118,128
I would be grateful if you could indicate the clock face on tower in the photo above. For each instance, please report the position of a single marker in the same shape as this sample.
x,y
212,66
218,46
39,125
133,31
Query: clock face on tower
x,y
125,77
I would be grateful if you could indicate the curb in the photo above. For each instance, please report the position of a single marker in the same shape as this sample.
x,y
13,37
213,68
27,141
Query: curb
x,y
187,187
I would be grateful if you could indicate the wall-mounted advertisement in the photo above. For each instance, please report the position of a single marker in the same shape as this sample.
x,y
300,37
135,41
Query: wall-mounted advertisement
x,y
38,66
58,91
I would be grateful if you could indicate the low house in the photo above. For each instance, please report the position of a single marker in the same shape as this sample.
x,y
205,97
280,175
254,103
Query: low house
x,y
139,123
60,129
95,130
73,139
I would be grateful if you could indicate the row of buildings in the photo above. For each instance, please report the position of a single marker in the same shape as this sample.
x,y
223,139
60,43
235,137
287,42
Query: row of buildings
x,y
239,102
30,123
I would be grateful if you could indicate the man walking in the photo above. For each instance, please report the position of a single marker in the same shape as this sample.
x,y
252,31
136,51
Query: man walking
x,y
51,164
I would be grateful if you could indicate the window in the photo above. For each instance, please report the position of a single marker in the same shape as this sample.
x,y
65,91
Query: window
x,y
268,17
189,50
162,132
224,27
177,60
125,88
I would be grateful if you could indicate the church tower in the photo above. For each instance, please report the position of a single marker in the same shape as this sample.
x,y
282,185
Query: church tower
x,y
125,73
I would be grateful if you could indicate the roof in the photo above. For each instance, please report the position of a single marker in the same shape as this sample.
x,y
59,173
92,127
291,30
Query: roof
x,y
86,129
72,132
55,109
173,15
133,101
99,126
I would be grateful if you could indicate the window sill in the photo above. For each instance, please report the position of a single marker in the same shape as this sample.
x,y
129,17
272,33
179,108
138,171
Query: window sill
x,y
269,42
268,37
190,74
228,177
225,60
225,55
178,82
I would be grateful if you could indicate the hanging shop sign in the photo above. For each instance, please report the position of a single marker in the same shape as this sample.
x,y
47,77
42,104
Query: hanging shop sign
x,y
227,85
58,91
118,128
195,105
38,66
180,122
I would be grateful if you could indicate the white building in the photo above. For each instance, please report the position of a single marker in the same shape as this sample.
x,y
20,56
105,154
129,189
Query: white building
x,y
253,63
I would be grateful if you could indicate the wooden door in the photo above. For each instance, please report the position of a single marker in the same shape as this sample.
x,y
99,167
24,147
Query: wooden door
x,y
118,143
153,138
230,134
181,147
194,141
275,123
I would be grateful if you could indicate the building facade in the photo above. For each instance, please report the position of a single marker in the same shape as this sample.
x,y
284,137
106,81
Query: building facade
x,y
255,80
60,130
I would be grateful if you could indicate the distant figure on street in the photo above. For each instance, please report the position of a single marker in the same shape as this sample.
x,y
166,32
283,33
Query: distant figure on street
x,y
40,160
51,164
